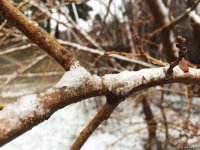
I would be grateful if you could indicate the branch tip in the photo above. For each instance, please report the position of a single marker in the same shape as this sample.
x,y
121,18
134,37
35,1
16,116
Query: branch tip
x,y
180,60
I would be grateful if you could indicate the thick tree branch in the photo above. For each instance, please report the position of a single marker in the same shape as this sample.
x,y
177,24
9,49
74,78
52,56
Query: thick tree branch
x,y
36,34
78,84
30,110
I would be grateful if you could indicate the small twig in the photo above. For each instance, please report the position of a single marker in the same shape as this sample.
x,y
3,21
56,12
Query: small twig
x,y
102,115
143,54
139,46
21,70
16,49
102,53
105,17
182,52
32,75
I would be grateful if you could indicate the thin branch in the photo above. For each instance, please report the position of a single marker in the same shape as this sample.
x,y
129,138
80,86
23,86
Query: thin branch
x,y
102,115
101,53
81,31
15,49
32,75
21,70
144,55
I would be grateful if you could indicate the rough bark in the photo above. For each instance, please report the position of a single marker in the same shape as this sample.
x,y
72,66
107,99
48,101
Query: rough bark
x,y
36,34
16,119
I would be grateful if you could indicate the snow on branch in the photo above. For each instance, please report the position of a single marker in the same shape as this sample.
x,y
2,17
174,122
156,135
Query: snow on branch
x,y
195,17
76,85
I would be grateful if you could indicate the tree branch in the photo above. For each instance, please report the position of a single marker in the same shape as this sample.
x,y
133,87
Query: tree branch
x,y
102,115
28,111
36,34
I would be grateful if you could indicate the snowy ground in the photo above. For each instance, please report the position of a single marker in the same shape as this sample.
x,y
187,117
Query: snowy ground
x,y
63,127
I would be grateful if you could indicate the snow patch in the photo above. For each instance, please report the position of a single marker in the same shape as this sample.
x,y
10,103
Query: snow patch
x,y
178,70
74,77
24,108
125,81
78,77
191,71
195,16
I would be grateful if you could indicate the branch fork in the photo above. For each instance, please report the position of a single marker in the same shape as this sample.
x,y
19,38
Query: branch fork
x,y
180,60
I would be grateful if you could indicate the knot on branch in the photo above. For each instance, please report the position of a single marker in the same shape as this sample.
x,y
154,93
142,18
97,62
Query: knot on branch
x,y
180,60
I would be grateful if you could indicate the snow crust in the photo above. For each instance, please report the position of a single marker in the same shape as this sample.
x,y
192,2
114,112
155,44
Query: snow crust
x,y
23,108
191,71
125,81
78,76
74,77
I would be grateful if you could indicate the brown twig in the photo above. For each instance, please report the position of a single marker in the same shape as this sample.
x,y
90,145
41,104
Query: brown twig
x,y
102,53
182,52
143,54
21,70
153,60
102,115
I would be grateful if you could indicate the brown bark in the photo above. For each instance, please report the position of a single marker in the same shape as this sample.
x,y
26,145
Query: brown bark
x,y
49,102
102,115
12,124
36,34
